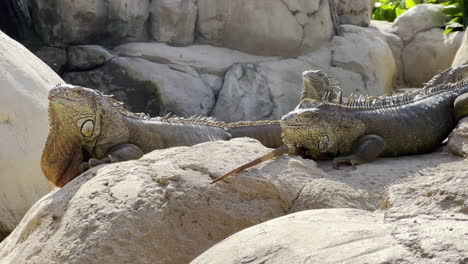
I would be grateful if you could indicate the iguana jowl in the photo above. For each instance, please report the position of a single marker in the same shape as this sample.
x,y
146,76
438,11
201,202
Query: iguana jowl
x,y
358,130
88,128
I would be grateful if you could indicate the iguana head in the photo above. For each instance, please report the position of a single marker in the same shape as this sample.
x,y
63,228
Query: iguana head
x,y
310,129
451,75
319,86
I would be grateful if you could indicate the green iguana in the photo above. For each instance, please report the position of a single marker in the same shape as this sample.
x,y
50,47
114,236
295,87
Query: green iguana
x,y
358,130
88,128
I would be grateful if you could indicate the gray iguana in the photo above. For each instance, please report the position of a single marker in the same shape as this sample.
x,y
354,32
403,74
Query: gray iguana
x,y
88,128
358,130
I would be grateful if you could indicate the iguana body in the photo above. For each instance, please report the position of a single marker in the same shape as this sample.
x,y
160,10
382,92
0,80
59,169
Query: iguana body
x,y
86,124
358,130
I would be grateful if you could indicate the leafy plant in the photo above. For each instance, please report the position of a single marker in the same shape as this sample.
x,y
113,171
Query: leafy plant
x,y
456,10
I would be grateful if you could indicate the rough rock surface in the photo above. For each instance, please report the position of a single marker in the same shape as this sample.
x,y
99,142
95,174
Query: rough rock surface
x,y
61,22
354,12
429,53
204,58
458,139
85,57
418,19
24,83
55,58
361,51
162,208
150,87
173,21
265,27
423,221
461,57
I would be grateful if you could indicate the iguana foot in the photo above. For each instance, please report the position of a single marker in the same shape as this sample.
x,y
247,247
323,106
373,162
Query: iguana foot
x,y
117,153
364,149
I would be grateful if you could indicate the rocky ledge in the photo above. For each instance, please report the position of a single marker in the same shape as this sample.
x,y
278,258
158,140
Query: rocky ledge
x,y
163,209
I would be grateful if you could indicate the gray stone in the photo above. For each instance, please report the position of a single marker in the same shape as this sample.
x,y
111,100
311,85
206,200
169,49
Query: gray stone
x,y
173,21
461,57
86,57
429,53
354,12
149,87
63,22
56,58
417,19
245,95
458,139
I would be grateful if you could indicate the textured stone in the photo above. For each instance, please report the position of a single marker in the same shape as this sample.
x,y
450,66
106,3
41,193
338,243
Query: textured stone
x,y
86,57
150,87
458,139
173,21
361,51
429,53
61,22
204,58
461,57
417,19
25,81
56,58
265,27
354,12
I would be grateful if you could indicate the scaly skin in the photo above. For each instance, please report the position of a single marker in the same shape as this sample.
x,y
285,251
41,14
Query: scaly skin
x,y
360,130
88,128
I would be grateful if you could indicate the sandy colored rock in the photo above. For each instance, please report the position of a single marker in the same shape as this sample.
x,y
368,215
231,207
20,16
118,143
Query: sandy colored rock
x,y
461,57
173,21
429,53
418,19
265,27
354,12
204,58
458,139
24,84
361,51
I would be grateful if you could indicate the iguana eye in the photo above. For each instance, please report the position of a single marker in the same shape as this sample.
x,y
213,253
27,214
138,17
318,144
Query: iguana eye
x,y
87,128
323,143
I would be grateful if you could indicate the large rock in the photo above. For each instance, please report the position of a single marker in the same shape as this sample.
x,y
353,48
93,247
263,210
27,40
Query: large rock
x,y
354,12
362,51
60,22
150,87
423,221
418,19
162,208
55,58
461,57
458,139
86,57
429,53
204,58
173,21
265,27
25,81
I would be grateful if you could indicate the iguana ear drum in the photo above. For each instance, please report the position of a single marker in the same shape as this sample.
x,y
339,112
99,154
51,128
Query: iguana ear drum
x,y
87,128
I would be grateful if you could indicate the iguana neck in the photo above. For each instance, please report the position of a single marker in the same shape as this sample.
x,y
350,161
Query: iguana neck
x,y
150,135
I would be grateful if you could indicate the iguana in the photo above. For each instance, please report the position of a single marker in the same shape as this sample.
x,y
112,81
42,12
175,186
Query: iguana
x,y
88,128
358,130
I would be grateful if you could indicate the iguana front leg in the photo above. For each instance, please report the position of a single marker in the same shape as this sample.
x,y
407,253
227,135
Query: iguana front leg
x,y
117,153
364,149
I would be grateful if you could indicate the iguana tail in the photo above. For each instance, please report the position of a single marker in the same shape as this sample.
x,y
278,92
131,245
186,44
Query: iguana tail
x,y
267,132
285,149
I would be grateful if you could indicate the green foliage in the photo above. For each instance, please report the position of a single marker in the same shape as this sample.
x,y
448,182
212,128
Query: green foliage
x,y
456,10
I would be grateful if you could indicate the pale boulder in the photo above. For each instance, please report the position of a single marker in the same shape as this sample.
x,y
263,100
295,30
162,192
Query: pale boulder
x,y
461,57
362,51
429,53
265,27
354,12
25,81
173,21
61,22
204,58
418,19
458,139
